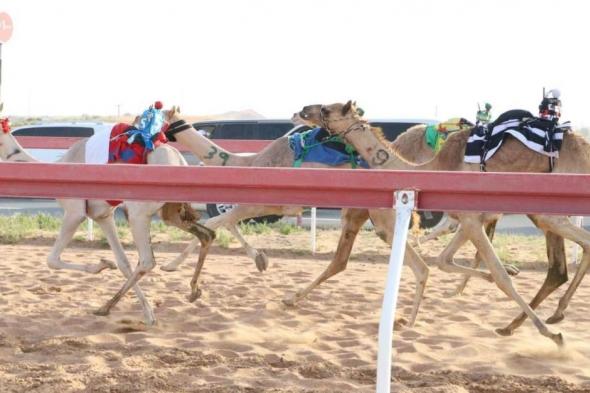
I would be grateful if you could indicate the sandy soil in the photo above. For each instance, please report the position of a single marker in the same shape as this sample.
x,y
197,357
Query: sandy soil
x,y
239,337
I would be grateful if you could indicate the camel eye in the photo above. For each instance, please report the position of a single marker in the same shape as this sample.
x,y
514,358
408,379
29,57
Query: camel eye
x,y
303,115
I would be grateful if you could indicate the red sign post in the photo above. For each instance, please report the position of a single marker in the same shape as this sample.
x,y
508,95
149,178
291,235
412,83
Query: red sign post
x,y
5,34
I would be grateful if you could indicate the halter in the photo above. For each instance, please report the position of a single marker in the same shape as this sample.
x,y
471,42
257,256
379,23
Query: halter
x,y
359,125
175,128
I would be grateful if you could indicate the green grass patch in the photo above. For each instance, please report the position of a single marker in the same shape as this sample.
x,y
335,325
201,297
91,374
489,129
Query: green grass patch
x,y
255,228
286,228
223,238
18,226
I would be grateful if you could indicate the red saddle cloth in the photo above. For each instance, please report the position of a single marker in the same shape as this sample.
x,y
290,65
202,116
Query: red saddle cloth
x,y
123,152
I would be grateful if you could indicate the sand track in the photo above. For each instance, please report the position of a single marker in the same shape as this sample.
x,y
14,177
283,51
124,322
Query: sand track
x,y
239,337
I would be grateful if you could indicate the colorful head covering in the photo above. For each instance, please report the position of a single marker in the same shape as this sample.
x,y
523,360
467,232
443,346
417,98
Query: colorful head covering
x,y
150,124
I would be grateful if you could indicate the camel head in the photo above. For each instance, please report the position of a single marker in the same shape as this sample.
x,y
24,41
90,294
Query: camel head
x,y
172,115
340,119
309,116
9,148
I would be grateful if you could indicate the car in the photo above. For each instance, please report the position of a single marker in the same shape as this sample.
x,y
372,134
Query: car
x,y
245,130
273,129
264,129
64,130
220,129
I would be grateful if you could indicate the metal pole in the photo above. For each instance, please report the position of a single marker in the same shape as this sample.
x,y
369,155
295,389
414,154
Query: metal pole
x,y
0,72
90,233
313,228
404,204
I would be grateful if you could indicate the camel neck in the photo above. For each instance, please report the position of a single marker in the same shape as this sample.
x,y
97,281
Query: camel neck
x,y
376,150
207,151
12,151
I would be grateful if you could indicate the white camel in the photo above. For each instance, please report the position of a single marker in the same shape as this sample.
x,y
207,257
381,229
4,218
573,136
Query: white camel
x,y
139,215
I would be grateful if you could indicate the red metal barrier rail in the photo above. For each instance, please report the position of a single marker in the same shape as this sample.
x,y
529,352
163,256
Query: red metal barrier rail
x,y
502,192
233,145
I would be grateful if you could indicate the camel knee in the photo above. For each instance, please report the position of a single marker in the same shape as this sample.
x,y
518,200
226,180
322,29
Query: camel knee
x,y
381,234
333,270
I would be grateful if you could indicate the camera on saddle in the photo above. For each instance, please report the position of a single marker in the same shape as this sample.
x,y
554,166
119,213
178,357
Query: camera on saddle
x,y
550,108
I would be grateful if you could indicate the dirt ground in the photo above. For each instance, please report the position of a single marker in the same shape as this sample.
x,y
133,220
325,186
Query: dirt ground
x,y
240,337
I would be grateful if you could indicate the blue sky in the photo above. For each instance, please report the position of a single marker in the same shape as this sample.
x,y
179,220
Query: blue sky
x,y
398,59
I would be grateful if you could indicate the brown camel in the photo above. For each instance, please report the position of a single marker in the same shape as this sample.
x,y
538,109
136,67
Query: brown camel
x,y
343,119
139,215
279,154
416,136
352,219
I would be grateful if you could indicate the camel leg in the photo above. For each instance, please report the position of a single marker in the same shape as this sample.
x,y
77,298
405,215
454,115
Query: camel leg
x,y
448,226
445,260
74,215
184,217
139,221
471,224
556,276
421,272
206,236
230,221
109,228
384,222
259,256
172,266
476,261
562,226
352,222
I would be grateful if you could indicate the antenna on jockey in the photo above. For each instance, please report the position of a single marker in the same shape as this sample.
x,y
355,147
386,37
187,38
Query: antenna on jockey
x,y
550,107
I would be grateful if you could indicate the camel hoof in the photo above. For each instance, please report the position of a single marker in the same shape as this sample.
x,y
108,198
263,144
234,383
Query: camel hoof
x,y
261,261
558,339
504,332
169,267
400,324
194,295
452,294
108,264
103,312
290,301
511,270
557,317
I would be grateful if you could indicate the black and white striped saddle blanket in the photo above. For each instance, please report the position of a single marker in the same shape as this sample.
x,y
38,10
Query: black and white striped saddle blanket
x,y
539,135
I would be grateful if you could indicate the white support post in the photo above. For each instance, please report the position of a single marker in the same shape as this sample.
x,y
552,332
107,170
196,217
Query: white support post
x,y
578,221
404,204
313,228
90,233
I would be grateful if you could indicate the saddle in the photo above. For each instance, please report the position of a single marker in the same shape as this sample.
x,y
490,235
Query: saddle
x,y
317,145
540,135
437,134
124,149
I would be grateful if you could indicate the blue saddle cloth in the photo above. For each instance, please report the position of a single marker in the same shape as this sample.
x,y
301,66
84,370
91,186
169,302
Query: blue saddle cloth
x,y
317,145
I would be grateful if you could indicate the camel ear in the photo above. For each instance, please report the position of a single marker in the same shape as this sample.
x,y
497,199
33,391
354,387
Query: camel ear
x,y
178,109
1,106
346,108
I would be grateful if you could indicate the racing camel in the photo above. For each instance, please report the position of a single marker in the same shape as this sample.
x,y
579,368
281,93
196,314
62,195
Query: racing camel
x,y
139,215
343,119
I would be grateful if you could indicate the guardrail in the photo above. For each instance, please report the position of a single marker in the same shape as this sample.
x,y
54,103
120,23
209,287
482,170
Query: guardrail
x,y
489,192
